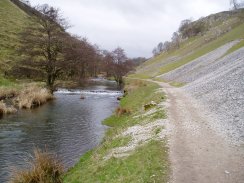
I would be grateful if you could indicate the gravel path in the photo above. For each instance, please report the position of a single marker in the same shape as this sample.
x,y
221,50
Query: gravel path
x,y
197,152
198,67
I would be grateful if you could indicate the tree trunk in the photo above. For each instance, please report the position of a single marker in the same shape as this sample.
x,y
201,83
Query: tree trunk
x,y
50,83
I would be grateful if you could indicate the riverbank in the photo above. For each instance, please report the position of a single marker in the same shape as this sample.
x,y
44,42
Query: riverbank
x,y
134,149
15,96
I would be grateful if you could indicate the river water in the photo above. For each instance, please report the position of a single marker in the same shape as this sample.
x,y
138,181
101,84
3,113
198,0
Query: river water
x,y
67,126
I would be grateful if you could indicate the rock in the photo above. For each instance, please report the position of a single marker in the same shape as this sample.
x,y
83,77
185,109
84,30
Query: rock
x,y
82,97
227,172
119,98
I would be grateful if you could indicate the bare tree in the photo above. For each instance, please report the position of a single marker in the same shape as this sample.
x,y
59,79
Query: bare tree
x,y
176,40
160,47
121,65
155,51
108,63
82,58
167,45
42,44
234,4
237,4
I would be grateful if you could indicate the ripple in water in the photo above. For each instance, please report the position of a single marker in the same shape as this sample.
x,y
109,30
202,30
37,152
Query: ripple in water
x,y
67,126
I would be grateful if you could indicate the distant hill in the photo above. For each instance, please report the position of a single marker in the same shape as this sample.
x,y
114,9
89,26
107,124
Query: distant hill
x,y
222,28
210,67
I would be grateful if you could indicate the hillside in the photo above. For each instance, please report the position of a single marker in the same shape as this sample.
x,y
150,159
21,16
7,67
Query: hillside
x,y
209,67
12,20
223,28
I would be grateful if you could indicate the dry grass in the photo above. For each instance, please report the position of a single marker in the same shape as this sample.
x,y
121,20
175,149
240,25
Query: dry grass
x,y
4,109
122,111
43,168
32,96
134,84
6,92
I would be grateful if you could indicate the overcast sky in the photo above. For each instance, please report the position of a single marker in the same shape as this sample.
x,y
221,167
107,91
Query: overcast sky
x,y
135,25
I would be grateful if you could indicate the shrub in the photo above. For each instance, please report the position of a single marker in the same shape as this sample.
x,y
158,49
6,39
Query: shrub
x,y
44,168
150,105
33,96
7,92
122,111
5,109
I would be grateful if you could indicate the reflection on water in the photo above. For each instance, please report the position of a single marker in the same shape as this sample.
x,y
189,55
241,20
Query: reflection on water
x,y
68,126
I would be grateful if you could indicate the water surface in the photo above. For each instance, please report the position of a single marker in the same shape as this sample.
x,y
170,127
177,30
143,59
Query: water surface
x,y
68,126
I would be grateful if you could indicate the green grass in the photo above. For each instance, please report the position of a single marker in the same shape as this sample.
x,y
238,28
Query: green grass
x,y
177,84
118,142
12,21
6,82
148,163
159,114
236,47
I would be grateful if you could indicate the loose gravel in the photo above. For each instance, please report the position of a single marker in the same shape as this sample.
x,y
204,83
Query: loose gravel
x,y
221,90
199,67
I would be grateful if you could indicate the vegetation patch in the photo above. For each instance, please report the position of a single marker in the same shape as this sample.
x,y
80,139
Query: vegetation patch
x,y
149,163
22,96
177,84
4,109
235,47
122,111
44,167
158,114
33,96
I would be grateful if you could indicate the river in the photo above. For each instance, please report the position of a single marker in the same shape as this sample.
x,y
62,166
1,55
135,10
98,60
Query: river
x,y
67,126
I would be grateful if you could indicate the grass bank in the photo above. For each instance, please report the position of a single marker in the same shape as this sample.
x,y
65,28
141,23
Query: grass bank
x,y
15,96
134,148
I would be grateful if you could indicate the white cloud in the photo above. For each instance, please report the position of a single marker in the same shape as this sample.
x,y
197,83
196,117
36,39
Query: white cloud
x,y
135,25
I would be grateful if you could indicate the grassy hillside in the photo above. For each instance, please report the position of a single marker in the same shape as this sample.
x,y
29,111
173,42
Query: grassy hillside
x,y
223,28
12,20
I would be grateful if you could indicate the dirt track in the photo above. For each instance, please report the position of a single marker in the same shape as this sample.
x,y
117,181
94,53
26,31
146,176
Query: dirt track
x,y
197,153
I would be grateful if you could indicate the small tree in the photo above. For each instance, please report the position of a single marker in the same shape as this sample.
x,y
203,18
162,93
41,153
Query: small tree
x,y
234,4
176,40
117,64
42,45
167,45
186,28
155,51
160,47
108,63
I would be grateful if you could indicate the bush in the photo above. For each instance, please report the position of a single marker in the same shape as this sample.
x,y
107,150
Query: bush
x,y
6,93
33,96
150,105
5,109
44,168
122,111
